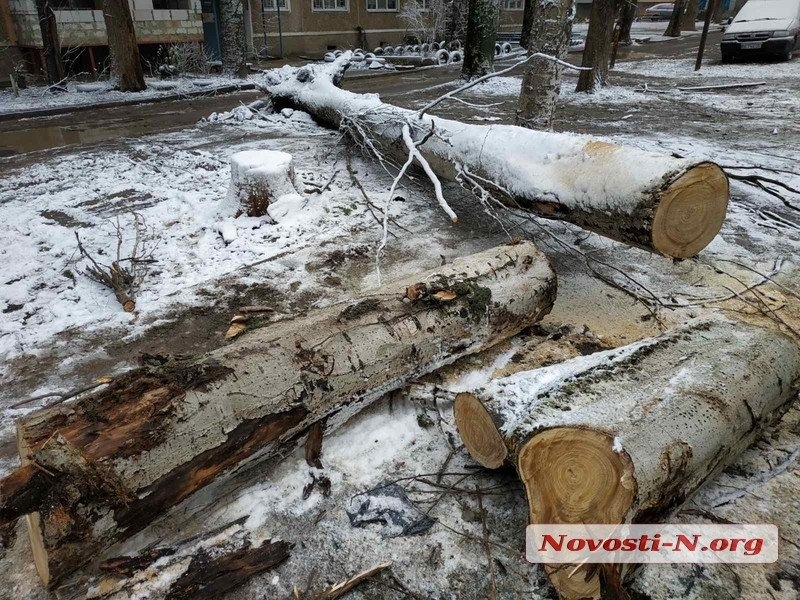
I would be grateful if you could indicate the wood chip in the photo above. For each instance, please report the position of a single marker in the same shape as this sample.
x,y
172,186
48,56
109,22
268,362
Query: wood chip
x,y
341,588
234,330
445,296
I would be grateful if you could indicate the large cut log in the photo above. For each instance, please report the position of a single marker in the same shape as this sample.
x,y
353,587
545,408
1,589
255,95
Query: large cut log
x,y
200,568
627,435
674,206
100,469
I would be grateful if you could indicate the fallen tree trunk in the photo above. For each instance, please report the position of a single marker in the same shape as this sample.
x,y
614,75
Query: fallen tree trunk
x,y
197,569
627,435
102,468
653,201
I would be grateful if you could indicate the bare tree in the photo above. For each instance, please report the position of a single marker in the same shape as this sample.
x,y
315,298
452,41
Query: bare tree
x,y
674,27
629,8
528,15
232,38
427,24
480,38
54,67
123,45
598,46
690,16
541,84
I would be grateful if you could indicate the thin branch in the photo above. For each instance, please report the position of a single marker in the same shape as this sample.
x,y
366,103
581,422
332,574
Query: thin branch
x,y
488,76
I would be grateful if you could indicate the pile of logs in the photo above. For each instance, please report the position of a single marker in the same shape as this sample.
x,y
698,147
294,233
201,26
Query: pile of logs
x,y
625,435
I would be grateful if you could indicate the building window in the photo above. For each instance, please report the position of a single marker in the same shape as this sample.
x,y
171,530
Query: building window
x,y
329,5
269,5
171,4
382,5
513,5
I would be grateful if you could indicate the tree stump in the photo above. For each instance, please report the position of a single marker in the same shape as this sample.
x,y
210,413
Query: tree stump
x,y
260,178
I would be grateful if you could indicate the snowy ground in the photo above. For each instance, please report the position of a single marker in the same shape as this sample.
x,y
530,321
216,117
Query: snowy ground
x,y
59,330
101,92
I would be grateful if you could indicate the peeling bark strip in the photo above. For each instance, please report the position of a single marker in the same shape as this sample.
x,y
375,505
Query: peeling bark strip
x,y
199,569
652,201
106,466
627,435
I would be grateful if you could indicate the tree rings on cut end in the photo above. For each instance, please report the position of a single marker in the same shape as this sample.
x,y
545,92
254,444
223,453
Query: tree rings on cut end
x,y
691,211
478,432
573,475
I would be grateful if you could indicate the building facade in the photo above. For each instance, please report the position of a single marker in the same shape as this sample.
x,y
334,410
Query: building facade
x,y
272,27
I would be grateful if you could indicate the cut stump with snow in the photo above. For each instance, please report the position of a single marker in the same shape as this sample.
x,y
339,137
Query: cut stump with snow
x,y
628,435
260,178
100,469
672,206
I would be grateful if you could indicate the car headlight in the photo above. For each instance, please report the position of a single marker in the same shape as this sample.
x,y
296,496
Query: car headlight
x,y
783,34
728,37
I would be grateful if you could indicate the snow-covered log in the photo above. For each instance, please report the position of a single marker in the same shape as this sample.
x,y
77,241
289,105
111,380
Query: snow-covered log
x,y
102,468
674,206
262,178
197,569
627,435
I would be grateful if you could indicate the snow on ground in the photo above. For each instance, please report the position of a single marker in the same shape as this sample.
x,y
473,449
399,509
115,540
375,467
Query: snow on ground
x,y
101,92
684,69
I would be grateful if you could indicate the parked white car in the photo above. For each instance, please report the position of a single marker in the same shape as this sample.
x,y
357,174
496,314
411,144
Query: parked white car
x,y
770,27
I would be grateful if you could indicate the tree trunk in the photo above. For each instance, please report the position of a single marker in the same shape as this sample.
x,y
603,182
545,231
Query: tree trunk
x,y
231,37
674,27
54,68
197,569
123,46
643,426
689,18
528,15
667,205
101,469
629,9
598,46
718,11
541,83
480,38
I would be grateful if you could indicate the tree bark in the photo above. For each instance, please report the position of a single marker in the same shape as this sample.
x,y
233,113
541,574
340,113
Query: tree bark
x,y
718,11
598,46
541,83
232,37
102,468
643,426
629,9
689,18
480,38
671,206
197,569
123,46
54,67
528,15
674,26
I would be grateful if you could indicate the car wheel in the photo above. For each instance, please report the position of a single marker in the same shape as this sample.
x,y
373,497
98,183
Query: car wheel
x,y
727,58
